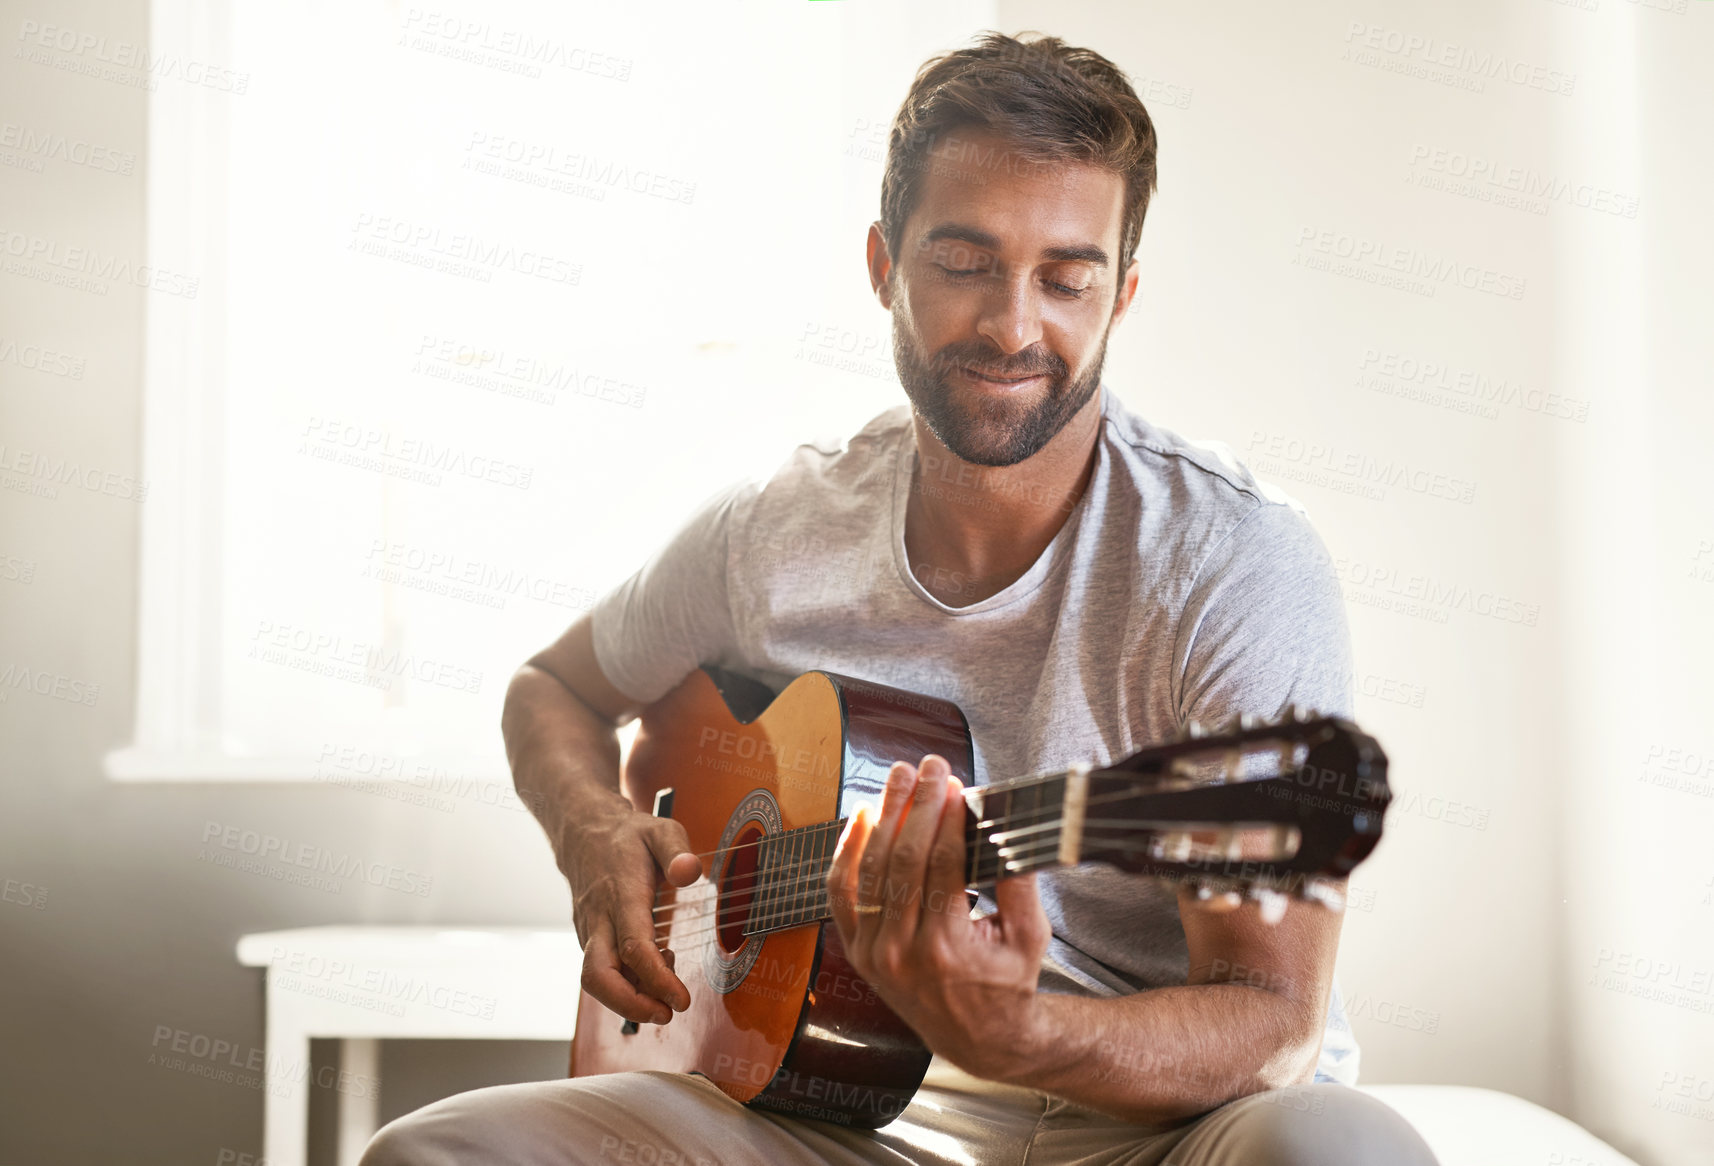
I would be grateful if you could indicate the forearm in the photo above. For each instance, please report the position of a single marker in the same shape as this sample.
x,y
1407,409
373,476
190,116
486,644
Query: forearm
x,y
1162,1056
564,757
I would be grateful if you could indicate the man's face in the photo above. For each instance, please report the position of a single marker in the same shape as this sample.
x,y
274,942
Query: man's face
x,y
1002,295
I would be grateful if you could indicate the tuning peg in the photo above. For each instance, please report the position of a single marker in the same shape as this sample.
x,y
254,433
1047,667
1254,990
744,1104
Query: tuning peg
x,y
1195,730
1246,722
1288,715
1272,903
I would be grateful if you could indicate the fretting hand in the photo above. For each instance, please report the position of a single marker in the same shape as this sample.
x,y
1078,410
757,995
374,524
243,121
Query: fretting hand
x,y
897,893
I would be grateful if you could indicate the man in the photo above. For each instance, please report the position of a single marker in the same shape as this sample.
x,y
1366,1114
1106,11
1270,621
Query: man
x,y
1081,583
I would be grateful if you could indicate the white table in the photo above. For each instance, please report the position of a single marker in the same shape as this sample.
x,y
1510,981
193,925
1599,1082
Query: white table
x,y
361,985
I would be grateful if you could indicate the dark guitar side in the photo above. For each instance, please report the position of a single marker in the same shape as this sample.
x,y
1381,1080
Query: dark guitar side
x,y
814,1040
822,1075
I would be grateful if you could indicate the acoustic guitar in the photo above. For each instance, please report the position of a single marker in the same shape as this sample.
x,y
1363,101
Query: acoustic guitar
x,y
763,785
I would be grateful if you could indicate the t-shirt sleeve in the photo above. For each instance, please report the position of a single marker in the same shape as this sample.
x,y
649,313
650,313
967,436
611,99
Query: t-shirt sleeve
x,y
675,613
1264,625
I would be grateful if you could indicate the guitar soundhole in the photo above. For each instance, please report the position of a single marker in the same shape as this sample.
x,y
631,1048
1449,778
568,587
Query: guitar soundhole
x,y
738,888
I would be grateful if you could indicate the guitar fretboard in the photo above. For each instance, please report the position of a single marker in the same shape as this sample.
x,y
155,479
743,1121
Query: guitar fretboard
x,y
1020,828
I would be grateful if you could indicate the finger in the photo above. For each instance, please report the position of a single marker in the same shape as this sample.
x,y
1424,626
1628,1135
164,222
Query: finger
x,y
943,900
604,978
842,876
637,951
907,860
1020,911
872,869
670,846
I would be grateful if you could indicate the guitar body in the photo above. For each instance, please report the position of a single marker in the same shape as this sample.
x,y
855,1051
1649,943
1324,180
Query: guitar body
x,y
778,1020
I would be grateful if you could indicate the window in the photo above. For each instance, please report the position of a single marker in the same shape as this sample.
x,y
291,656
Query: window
x,y
488,299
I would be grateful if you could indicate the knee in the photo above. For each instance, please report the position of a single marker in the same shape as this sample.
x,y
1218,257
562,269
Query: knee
x,y
428,1137
403,1142
1322,1125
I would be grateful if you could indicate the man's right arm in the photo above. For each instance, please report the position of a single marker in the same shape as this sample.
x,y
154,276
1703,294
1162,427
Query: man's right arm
x,y
559,723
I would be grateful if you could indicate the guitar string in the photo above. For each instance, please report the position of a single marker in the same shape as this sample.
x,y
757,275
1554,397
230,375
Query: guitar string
x,y
1033,816
807,882
991,788
811,892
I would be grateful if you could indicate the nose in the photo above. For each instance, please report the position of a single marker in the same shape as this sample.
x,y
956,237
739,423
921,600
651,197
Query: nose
x,y
1011,315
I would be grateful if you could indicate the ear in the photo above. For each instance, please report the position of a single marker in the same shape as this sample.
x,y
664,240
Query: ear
x,y
880,267
1127,292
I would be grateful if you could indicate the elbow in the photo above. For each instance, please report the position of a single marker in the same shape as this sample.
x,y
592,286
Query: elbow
x,y
1294,1057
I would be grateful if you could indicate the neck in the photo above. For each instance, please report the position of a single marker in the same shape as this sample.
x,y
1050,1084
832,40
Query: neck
x,y
1010,828
985,523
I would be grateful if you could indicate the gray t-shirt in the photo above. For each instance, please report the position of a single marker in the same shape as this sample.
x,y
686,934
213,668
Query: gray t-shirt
x,y
1178,589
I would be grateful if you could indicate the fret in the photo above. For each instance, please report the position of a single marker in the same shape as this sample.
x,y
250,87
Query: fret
x,y
776,868
1027,817
794,878
758,897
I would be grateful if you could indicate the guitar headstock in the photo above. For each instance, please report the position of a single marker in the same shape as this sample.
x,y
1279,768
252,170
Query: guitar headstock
x,y
1267,808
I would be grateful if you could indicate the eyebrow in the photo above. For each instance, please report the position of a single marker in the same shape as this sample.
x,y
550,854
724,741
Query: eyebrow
x,y
1077,253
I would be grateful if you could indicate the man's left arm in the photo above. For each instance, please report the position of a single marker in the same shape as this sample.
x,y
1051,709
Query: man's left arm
x,y
1263,627
1249,1017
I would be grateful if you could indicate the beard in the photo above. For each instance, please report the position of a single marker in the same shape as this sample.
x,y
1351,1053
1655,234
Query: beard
x,y
985,430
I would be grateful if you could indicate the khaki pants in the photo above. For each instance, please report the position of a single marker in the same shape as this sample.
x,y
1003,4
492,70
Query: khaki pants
x,y
664,1119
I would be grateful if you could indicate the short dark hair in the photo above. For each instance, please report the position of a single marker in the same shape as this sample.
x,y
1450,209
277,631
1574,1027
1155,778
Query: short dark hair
x,y
1052,101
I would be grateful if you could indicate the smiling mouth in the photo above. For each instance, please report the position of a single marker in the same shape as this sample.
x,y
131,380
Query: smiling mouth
x,y
997,379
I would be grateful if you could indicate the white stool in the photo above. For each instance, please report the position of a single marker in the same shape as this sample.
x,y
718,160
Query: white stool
x,y
364,984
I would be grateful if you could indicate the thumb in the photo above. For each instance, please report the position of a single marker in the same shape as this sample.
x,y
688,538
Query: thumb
x,y
670,846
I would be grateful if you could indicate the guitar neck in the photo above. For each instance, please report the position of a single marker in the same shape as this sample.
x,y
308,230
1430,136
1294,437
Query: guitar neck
x,y
1009,829
1287,806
